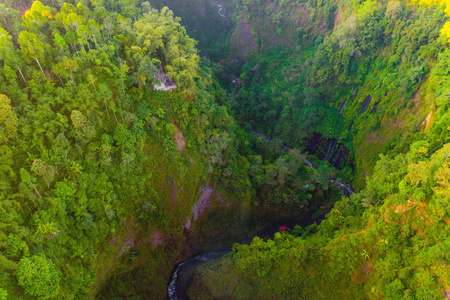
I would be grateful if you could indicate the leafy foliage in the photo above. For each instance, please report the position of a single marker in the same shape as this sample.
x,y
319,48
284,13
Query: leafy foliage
x,y
88,153
358,78
38,276
394,246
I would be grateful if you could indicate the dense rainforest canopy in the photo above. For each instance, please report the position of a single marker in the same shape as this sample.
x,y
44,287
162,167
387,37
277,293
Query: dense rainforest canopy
x,y
88,154
106,183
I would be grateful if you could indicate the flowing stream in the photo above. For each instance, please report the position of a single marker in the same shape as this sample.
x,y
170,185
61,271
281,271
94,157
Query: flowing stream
x,y
345,187
183,272
220,9
182,276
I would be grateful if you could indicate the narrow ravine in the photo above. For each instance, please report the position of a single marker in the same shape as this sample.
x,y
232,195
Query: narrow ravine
x,y
182,276
346,188
183,272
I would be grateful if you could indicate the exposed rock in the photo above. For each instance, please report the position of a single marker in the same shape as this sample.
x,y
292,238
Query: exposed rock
x,y
363,274
179,138
242,42
128,243
187,224
365,105
157,238
203,203
338,18
429,120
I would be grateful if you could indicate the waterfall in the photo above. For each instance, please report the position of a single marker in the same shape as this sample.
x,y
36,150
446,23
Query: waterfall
x,y
346,189
340,159
352,96
330,150
220,8
338,153
341,109
365,105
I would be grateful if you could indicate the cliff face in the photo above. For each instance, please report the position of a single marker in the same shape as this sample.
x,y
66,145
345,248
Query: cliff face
x,y
242,42
312,57
106,181
142,256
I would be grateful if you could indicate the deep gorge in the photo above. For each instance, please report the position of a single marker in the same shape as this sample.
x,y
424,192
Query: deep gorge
x,y
251,149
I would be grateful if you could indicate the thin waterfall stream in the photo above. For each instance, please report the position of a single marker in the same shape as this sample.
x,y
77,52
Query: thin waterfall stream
x,y
346,188
220,9
182,273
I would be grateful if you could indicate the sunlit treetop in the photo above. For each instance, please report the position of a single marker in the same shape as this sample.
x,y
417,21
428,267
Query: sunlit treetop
x,y
445,5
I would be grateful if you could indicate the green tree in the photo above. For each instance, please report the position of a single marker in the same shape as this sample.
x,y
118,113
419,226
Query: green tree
x,y
38,276
3,294
8,119
32,47
45,170
36,16
146,7
8,52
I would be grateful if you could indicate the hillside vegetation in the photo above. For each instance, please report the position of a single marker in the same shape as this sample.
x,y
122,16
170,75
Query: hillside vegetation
x,y
388,62
99,172
363,73
105,182
389,241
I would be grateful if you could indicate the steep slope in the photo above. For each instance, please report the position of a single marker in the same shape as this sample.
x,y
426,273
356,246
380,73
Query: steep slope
x,y
389,241
339,73
375,80
100,173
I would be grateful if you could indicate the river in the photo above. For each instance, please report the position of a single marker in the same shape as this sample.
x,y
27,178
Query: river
x,y
183,272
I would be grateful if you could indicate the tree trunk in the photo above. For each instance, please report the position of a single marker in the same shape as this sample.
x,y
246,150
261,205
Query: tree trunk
x,y
117,122
121,110
35,190
106,105
94,88
73,81
61,81
89,47
103,35
95,41
22,76
37,60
